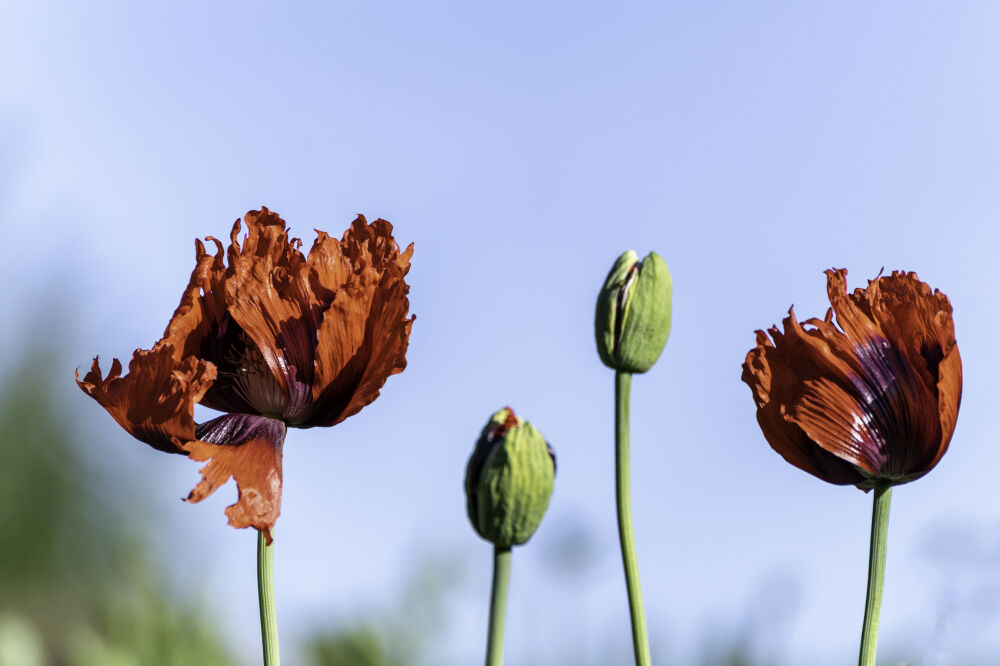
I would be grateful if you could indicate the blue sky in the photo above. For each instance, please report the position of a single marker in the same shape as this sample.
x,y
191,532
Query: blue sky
x,y
521,147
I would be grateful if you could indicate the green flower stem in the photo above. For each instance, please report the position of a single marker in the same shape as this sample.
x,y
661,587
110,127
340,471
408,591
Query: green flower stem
x,y
498,606
265,591
876,574
623,492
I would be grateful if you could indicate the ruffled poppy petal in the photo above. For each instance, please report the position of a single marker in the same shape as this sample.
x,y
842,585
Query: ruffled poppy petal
x,y
202,327
387,336
914,318
918,321
155,401
889,324
248,449
853,314
202,309
823,402
364,333
767,372
268,296
275,340
880,392
949,397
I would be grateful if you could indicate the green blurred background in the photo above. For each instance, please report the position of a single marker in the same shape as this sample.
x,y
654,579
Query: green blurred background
x,y
521,146
81,583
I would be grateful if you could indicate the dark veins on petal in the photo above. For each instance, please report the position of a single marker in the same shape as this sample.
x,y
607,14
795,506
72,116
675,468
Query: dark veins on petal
x,y
892,391
298,383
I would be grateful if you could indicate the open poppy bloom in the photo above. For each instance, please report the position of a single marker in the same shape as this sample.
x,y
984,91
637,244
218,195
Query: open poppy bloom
x,y
274,339
871,400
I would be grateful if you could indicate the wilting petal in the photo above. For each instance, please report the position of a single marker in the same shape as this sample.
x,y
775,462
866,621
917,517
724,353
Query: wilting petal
x,y
949,397
880,393
387,335
202,309
274,339
268,296
155,401
202,327
364,332
918,321
248,449
771,376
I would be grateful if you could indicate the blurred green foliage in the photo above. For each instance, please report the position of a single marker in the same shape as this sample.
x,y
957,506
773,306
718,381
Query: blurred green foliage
x,y
77,585
80,587
404,635
357,646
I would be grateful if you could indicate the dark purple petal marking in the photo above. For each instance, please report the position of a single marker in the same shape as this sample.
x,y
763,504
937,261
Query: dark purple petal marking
x,y
236,429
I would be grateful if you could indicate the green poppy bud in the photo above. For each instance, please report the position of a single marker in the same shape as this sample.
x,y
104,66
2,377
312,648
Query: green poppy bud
x,y
633,313
508,480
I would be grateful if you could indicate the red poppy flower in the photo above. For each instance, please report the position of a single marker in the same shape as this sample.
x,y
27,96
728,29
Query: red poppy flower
x,y
274,339
872,399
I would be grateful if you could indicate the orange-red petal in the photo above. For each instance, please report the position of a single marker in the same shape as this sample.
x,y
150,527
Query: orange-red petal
x,y
268,297
918,321
202,327
248,449
363,336
202,309
880,393
274,339
155,401
771,370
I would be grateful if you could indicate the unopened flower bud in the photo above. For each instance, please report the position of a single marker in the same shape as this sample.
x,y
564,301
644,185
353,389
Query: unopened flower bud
x,y
508,480
633,313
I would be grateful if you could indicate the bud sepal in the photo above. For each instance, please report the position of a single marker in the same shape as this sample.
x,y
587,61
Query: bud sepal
x,y
632,321
509,480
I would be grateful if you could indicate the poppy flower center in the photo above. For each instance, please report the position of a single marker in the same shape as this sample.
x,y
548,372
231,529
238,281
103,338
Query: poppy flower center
x,y
255,383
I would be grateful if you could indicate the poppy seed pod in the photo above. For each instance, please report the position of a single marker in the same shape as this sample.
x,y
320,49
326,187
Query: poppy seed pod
x,y
508,480
633,313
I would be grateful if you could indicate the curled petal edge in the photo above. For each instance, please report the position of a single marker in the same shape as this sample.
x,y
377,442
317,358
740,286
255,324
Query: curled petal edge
x,y
155,401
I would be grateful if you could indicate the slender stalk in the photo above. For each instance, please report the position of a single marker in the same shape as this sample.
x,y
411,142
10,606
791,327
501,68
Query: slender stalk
x,y
623,492
876,574
498,606
265,591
